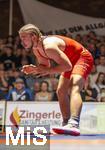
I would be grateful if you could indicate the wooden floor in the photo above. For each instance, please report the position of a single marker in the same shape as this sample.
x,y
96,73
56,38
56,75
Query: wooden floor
x,y
61,142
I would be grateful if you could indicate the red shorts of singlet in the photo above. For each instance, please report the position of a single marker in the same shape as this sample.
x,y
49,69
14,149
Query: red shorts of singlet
x,y
82,66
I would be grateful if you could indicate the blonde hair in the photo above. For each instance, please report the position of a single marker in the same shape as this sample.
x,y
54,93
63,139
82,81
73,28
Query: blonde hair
x,y
30,28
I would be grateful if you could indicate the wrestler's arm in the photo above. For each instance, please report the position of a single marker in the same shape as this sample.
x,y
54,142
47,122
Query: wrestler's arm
x,y
43,61
54,53
40,61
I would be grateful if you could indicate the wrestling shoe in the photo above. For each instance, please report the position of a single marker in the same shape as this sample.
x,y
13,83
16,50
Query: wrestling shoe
x,y
69,129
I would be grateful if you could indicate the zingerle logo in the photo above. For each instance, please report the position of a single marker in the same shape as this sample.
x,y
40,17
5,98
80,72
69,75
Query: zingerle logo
x,y
19,115
15,118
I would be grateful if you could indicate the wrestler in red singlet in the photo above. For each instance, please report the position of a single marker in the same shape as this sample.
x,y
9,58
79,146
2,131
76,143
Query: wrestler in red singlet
x,y
81,58
74,62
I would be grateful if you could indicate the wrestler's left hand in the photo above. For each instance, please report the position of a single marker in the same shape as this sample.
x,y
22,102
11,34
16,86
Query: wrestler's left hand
x,y
41,70
28,69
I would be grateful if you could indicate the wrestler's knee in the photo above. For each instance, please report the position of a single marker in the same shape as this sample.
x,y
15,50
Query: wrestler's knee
x,y
75,89
77,83
61,92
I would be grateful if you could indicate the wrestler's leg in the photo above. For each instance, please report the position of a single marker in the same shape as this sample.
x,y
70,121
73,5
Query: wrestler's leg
x,y
77,80
79,73
75,105
63,97
76,84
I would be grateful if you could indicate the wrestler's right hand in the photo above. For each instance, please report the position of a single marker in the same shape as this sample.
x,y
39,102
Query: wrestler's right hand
x,y
28,69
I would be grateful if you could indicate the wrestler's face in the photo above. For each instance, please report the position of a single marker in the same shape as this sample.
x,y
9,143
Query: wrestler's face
x,y
26,40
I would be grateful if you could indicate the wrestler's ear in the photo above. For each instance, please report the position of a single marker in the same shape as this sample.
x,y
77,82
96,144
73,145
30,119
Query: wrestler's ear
x,y
34,37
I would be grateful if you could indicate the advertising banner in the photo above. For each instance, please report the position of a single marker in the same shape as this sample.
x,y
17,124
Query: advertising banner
x,y
2,115
48,113
33,113
93,118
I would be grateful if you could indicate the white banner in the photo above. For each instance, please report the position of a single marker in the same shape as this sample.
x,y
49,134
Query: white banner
x,y
48,113
93,118
2,114
52,20
33,113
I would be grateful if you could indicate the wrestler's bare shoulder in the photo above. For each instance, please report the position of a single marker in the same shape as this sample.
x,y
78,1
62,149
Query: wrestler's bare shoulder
x,y
52,41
